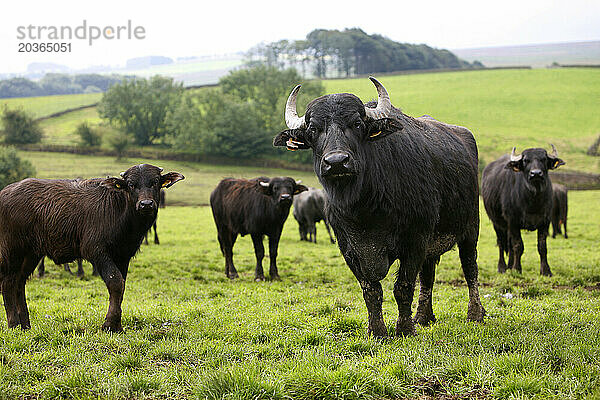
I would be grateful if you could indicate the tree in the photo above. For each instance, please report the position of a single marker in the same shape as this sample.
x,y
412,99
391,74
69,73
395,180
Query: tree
x,y
12,167
140,107
89,137
20,127
239,118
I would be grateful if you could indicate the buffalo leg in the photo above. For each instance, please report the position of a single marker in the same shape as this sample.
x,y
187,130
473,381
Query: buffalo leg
x,y
10,296
146,238
156,241
514,237
565,226
313,232
259,251
502,241
28,266
273,244
227,240
404,289
373,295
41,268
329,231
424,315
80,271
115,283
467,250
67,268
542,233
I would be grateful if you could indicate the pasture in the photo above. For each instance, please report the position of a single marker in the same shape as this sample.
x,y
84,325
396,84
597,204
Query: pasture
x,y
46,105
192,333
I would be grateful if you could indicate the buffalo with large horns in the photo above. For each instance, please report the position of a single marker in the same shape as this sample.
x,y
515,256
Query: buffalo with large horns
x,y
517,194
398,188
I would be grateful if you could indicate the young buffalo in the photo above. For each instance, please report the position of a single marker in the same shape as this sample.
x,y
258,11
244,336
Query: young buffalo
x,y
100,220
257,207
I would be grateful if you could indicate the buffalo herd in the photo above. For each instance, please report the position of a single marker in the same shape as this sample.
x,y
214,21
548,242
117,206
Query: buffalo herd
x,y
394,188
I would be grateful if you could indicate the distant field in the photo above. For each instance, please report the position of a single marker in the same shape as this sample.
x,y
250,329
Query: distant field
x,y
200,180
503,108
535,55
46,105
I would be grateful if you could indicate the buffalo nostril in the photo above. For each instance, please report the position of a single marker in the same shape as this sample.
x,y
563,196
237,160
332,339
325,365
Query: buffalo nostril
x,y
336,158
146,203
536,172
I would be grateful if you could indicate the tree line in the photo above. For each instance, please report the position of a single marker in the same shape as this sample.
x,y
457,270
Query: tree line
x,y
52,84
333,53
236,119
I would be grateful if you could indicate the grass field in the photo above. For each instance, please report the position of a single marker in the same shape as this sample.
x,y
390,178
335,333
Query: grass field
x,y
191,333
46,105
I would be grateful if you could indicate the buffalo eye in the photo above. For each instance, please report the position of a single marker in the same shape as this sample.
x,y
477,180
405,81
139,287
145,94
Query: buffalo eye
x,y
131,185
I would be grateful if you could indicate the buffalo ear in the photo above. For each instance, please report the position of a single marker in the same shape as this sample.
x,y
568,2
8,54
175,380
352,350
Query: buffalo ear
x,y
293,139
114,183
168,180
555,162
516,166
380,128
300,188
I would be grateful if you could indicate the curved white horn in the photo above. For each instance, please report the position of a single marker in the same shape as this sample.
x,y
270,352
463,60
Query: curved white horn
x,y
554,151
264,184
515,157
384,104
292,120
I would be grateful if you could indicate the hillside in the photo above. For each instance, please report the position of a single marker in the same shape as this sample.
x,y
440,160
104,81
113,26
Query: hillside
x,y
535,55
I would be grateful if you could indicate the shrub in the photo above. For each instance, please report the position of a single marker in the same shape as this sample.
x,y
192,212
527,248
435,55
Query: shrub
x,y
119,142
12,167
19,127
89,137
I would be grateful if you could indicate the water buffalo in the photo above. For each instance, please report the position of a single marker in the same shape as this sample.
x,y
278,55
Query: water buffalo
x,y
559,209
80,272
257,207
398,188
309,208
161,204
517,194
99,220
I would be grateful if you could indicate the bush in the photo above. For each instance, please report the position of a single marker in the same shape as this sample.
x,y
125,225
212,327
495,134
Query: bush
x,y
12,168
19,127
119,142
89,137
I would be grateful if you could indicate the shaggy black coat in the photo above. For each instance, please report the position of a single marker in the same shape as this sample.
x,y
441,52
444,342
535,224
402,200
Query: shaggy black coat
x,y
309,208
559,209
99,220
257,207
518,195
409,193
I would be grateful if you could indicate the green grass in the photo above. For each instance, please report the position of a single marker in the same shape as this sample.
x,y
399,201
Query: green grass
x,y
200,180
503,108
46,105
192,333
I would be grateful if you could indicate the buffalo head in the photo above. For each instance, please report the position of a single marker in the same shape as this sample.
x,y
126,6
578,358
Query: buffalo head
x,y
337,127
142,184
534,164
281,189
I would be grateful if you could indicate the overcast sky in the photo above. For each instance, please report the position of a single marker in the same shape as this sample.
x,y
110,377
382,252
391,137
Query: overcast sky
x,y
178,28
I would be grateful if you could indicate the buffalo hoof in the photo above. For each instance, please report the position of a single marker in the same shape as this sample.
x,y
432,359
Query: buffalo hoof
x,y
566,236
275,277
545,271
424,319
377,330
112,327
233,276
405,327
259,278
502,268
475,312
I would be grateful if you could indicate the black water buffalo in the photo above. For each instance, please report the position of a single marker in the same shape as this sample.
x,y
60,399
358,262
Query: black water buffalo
x,y
257,207
397,188
517,194
559,209
309,208
161,204
99,220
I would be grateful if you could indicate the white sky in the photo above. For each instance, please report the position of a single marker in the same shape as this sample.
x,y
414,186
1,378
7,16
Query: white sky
x,y
178,28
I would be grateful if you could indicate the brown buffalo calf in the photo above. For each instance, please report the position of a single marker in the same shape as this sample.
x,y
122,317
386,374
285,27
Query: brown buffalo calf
x,y
100,220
